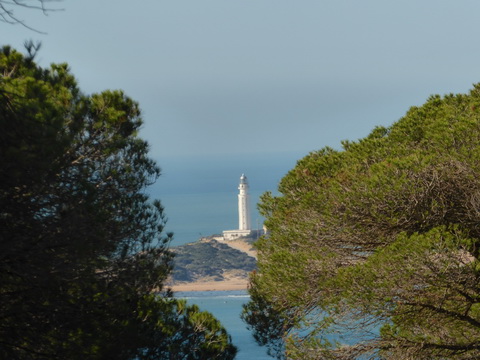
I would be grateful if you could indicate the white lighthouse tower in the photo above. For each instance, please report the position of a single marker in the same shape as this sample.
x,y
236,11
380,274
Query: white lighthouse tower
x,y
244,224
243,205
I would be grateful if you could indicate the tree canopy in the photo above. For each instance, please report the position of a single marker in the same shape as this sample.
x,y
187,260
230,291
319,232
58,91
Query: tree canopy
x,y
83,255
373,250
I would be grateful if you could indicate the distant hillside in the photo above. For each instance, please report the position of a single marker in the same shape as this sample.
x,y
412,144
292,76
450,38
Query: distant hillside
x,y
210,259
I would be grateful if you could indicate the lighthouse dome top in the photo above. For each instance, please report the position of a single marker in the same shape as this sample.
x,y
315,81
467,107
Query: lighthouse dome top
x,y
243,179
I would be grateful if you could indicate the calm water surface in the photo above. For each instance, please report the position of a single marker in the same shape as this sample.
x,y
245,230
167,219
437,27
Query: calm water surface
x,y
226,306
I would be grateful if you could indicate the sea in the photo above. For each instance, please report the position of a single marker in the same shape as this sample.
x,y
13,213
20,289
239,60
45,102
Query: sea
x,y
199,195
226,307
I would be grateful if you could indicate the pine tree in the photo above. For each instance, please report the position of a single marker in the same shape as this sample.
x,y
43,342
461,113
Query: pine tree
x,y
379,242
83,254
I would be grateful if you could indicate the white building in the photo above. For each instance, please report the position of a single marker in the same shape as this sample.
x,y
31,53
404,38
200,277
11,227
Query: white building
x,y
244,223
243,205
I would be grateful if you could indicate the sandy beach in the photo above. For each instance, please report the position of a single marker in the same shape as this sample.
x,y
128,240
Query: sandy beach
x,y
225,285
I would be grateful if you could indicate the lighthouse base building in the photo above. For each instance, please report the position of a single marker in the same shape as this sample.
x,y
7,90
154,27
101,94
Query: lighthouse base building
x,y
235,234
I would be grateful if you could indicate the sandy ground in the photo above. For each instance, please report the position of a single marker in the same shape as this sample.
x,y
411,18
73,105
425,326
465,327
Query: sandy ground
x,y
230,284
242,246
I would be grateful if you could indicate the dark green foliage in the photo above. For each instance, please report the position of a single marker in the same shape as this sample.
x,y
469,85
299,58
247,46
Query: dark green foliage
x,y
202,259
381,235
268,324
82,247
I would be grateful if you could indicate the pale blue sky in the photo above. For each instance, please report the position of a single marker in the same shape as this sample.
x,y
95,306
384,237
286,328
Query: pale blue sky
x,y
262,76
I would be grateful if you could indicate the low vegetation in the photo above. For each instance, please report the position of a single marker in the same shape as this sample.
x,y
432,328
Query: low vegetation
x,y
209,259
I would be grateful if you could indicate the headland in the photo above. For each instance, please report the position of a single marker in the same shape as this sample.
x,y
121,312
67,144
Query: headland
x,y
211,264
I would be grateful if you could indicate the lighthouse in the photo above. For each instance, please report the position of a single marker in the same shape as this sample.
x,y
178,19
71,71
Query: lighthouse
x,y
244,224
243,205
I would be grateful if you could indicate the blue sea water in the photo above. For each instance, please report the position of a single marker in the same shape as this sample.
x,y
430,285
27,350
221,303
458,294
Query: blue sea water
x,y
226,306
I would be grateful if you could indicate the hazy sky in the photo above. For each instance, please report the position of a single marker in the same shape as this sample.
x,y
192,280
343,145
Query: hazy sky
x,y
262,76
